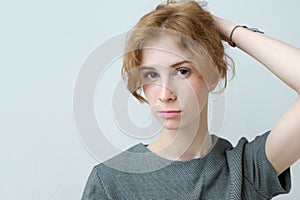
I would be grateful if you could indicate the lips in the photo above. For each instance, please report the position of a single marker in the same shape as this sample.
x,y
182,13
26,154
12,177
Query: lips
x,y
170,113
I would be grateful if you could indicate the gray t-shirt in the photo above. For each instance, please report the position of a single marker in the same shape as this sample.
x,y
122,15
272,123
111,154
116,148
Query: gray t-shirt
x,y
226,172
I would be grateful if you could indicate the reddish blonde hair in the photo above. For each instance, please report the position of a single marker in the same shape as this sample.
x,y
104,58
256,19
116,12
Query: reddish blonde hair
x,y
191,28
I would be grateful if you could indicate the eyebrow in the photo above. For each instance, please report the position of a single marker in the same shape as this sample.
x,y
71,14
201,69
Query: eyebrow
x,y
145,67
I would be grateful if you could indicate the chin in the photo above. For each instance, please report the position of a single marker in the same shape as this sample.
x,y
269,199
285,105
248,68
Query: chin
x,y
171,125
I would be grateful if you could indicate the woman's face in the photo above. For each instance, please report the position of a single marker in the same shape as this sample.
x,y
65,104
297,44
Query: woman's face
x,y
175,90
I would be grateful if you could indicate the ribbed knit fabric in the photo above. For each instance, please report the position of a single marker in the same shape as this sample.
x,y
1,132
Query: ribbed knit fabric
x,y
242,172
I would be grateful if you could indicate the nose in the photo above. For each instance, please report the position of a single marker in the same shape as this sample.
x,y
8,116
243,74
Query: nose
x,y
166,94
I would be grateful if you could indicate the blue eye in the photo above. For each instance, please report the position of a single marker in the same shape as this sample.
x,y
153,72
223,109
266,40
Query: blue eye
x,y
182,72
151,75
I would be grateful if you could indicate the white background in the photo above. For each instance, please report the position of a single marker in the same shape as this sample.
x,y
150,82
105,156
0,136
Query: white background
x,y
43,45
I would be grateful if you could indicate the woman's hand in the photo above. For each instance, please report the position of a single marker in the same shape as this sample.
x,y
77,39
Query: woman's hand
x,y
224,27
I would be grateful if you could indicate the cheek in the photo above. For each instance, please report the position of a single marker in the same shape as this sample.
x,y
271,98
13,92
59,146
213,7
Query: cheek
x,y
202,95
195,93
150,92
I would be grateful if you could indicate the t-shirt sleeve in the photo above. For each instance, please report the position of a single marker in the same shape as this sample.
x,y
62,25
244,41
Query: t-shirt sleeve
x,y
93,189
258,172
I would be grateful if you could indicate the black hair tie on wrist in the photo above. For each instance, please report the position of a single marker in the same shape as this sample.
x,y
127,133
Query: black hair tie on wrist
x,y
231,43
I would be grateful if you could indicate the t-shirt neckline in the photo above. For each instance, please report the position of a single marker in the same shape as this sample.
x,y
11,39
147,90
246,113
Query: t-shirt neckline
x,y
209,152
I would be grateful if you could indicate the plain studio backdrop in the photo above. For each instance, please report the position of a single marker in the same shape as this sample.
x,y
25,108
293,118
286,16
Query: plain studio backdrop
x,y
43,47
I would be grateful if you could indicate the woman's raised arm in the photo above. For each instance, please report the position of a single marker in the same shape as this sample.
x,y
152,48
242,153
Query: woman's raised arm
x,y
283,60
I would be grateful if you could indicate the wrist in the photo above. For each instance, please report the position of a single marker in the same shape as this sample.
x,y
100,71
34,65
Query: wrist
x,y
231,42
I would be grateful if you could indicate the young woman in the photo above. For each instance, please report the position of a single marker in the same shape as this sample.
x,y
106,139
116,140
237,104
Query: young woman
x,y
175,57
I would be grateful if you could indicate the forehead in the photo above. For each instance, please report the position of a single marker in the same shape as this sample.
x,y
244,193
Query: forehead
x,y
162,51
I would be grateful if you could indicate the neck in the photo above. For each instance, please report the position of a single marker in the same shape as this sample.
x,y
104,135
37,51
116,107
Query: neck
x,y
185,143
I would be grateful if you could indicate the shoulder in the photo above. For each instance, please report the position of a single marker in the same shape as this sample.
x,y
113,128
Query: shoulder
x,y
249,167
246,153
121,159
257,143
